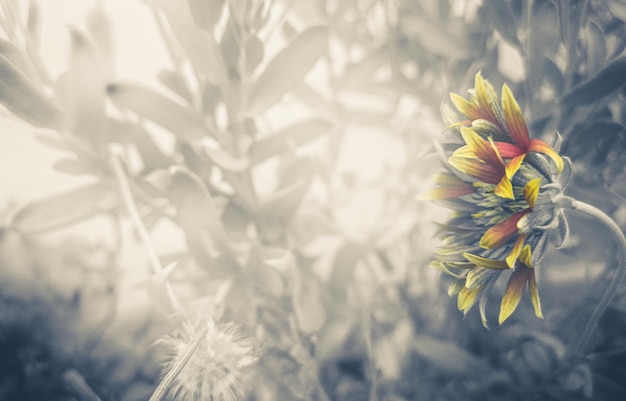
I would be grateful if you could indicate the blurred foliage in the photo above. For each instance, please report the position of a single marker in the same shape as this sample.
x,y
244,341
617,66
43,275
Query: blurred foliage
x,y
237,147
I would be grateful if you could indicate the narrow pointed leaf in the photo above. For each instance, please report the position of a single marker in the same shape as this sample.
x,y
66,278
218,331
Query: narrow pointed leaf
x,y
181,120
606,81
288,138
288,68
24,100
67,208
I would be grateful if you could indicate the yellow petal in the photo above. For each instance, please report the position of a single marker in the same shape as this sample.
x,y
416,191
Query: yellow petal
x,y
467,298
513,293
515,124
504,188
534,294
526,256
517,249
531,191
485,262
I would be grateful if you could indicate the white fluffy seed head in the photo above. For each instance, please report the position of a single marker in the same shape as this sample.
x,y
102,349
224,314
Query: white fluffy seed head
x,y
217,369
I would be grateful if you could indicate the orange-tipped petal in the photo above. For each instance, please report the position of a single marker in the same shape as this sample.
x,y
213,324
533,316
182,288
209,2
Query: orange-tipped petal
x,y
516,251
481,148
513,293
514,119
468,109
534,294
508,150
477,169
486,262
500,233
487,99
539,146
531,191
446,192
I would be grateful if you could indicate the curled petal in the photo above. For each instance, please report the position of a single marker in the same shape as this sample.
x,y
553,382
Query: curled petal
x,y
467,298
513,165
539,146
478,277
504,188
514,119
500,233
513,293
526,256
488,101
517,249
531,191
456,286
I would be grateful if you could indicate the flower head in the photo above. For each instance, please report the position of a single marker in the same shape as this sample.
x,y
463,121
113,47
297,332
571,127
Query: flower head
x,y
216,370
503,186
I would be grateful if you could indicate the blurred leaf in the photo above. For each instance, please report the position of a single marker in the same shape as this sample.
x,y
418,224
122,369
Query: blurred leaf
x,y
33,21
175,82
74,166
211,96
606,81
67,208
192,38
288,68
200,221
553,75
501,16
313,99
448,357
84,89
206,12
288,138
100,29
596,47
344,265
229,46
307,301
24,100
435,38
282,205
618,9
225,160
21,62
570,14
183,121
254,53
361,72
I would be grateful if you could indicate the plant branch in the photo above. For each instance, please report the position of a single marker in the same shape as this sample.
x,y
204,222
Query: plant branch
x,y
618,276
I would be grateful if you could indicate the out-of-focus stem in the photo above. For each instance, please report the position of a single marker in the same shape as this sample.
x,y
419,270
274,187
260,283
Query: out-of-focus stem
x,y
618,276
131,207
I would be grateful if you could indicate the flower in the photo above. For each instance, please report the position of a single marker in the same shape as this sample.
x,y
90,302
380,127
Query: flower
x,y
216,370
504,187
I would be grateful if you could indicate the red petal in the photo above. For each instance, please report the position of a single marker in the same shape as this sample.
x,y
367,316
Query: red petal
x,y
477,169
508,150
502,232
539,146
513,293
514,119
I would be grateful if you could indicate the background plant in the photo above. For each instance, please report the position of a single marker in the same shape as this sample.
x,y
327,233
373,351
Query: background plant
x,y
237,149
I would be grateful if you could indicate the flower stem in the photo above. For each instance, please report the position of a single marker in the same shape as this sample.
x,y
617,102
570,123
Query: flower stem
x,y
618,277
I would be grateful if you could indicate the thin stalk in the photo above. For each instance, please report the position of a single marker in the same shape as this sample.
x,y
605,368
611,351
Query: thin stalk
x,y
618,276
156,267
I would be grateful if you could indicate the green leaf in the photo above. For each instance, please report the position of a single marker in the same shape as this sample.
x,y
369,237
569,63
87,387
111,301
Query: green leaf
x,y
67,208
24,100
288,68
183,121
606,81
290,137
199,219
501,16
